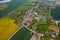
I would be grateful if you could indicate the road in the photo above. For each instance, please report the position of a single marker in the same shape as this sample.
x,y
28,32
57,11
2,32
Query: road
x,y
12,6
57,22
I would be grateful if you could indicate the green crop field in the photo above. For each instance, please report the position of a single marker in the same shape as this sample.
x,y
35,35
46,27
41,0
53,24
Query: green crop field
x,y
22,34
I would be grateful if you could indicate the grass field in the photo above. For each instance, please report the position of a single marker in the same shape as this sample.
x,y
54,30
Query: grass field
x,y
7,27
22,34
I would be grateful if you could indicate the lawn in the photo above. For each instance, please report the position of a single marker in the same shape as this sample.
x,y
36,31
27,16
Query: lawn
x,y
42,28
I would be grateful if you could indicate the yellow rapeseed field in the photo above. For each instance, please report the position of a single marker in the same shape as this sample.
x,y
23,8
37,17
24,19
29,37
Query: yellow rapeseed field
x,y
7,27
